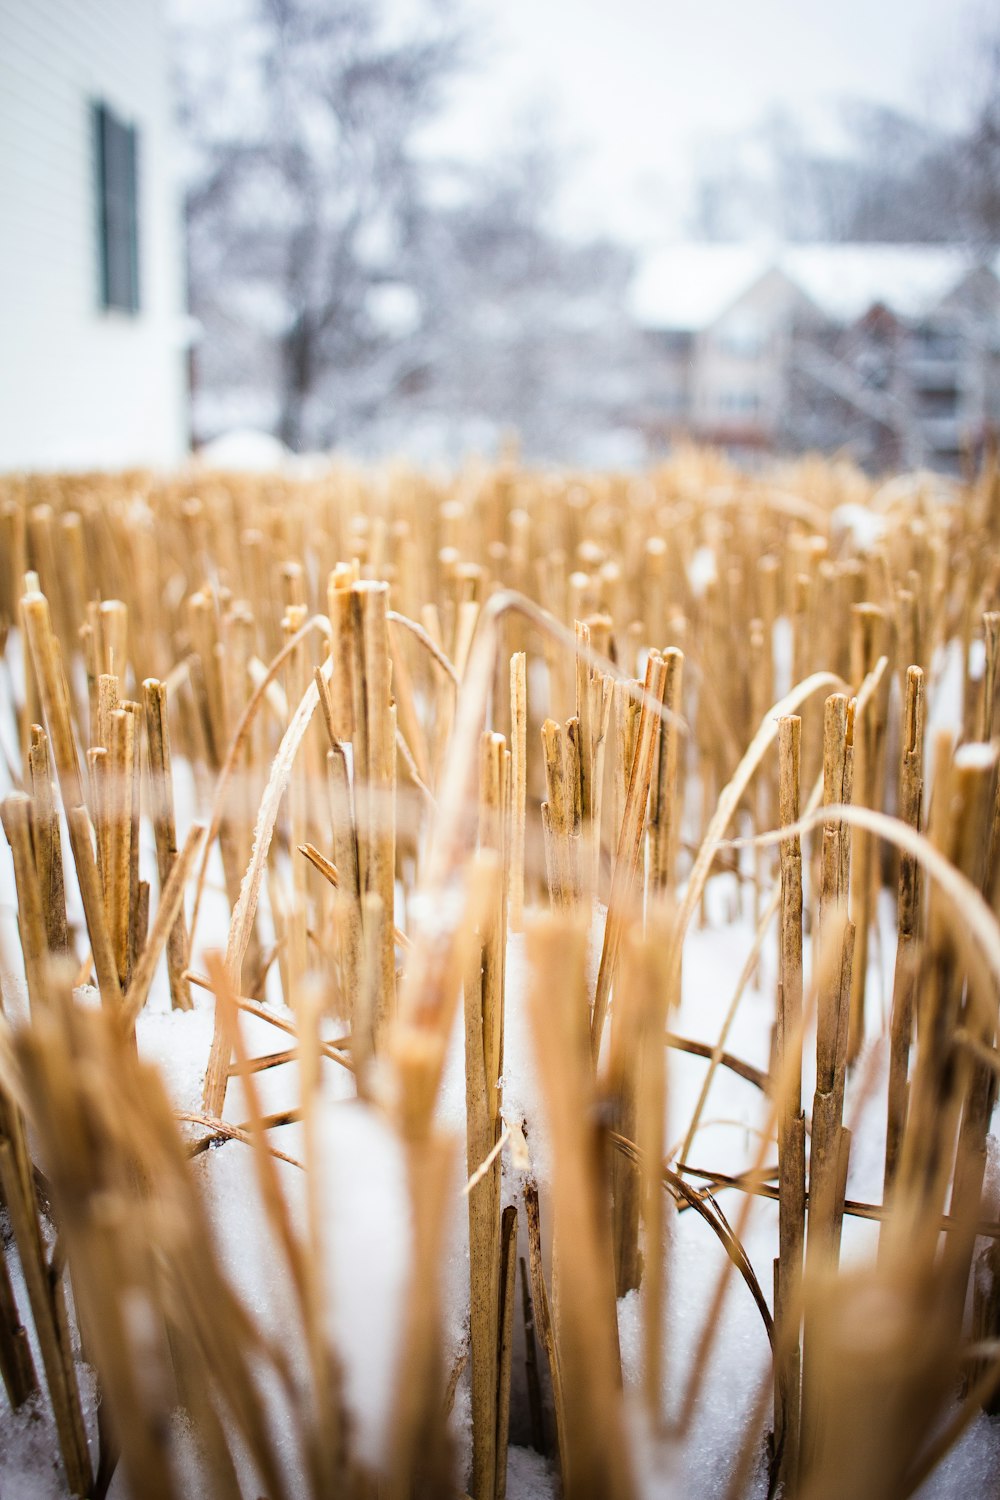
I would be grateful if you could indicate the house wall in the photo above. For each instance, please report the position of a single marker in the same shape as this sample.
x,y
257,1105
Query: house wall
x,y
662,408
80,386
740,364
972,311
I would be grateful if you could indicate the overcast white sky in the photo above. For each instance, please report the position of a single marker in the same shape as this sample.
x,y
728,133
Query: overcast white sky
x,y
635,84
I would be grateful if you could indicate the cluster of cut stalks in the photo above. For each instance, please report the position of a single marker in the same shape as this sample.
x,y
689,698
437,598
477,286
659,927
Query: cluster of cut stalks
x,y
420,716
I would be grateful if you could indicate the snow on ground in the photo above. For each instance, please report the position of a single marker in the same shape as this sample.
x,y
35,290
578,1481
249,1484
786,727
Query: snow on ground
x,y
245,450
529,1475
970,1467
366,1222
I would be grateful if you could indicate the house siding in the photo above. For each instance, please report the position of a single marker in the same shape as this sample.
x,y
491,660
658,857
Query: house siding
x,y
80,386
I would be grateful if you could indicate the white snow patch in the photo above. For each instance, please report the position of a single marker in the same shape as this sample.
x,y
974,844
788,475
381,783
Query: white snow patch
x,y
530,1476
365,1211
859,524
244,450
178,1042
703,571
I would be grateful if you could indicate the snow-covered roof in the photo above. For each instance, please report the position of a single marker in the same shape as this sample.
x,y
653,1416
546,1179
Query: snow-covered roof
x,y
689,286
846,280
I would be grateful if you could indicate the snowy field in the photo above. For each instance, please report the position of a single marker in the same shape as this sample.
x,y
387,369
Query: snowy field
x,y
715,1337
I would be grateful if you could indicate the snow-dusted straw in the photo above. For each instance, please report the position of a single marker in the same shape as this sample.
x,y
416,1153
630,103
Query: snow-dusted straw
x,y
561,721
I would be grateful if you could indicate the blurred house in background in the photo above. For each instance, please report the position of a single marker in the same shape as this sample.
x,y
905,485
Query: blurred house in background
x,y
360,289
888,352
92,326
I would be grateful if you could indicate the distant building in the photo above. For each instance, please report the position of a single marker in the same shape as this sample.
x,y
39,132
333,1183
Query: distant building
x,y
92,332
889,352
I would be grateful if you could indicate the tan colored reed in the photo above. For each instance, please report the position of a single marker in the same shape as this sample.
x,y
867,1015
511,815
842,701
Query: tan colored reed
x,y
462,771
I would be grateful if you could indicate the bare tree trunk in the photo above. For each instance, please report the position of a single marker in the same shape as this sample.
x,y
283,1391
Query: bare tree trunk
x,y
297,372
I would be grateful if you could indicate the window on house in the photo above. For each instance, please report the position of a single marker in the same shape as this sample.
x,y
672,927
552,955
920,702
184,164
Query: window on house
x,y
115,149
738,401
936,341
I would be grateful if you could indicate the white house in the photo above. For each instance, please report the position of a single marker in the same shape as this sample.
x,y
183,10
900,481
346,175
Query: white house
x,y
92,331
891,352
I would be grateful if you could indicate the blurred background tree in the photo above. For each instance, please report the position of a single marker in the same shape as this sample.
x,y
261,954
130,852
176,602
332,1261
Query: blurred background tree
x,y
348,285
887,177
356,287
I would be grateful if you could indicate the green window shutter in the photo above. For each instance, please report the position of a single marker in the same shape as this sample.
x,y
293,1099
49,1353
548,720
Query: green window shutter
x,y
116,148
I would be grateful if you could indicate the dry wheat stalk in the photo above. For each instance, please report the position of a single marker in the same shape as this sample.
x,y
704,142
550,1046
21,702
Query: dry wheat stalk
x,y
440,837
